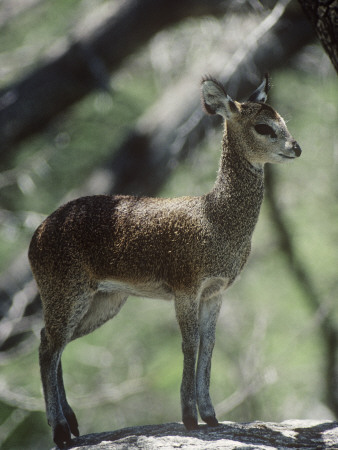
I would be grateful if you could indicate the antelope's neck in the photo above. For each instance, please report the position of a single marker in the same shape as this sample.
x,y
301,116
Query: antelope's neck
x,y
234,202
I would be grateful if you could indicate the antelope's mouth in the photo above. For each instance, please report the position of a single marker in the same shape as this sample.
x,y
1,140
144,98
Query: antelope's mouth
x,y
286,156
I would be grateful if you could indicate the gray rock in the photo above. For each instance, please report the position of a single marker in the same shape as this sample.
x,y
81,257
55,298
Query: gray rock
x,y
291,434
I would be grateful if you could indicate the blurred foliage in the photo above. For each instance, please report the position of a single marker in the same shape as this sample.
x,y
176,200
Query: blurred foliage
x,y
268,357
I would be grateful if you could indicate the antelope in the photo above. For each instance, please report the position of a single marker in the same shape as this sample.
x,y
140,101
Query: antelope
x,y
89,255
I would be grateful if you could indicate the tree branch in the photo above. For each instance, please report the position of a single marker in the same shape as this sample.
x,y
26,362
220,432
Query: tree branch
x,y
28,105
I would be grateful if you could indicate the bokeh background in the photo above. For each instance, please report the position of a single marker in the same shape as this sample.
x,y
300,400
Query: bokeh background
x,y
102,97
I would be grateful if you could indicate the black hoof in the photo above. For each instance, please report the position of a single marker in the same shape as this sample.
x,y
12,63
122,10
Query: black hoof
x,y
211,421
61,435
190,423
73,424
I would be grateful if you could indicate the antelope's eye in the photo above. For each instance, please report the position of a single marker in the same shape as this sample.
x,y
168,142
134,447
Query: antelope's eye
x,y
264,129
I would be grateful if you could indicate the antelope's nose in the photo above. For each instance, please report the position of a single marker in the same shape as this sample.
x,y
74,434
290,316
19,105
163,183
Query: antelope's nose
x,y
296,148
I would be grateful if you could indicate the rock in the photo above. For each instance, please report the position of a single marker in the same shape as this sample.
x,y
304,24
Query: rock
x,y
291,434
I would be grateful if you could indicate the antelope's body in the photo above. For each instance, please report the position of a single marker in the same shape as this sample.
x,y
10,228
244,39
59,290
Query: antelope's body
x,y
92,253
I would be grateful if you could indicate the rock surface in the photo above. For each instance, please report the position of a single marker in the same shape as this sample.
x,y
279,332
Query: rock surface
x,y
291,434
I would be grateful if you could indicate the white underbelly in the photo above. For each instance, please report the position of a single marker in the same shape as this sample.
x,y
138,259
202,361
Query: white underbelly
x,y
147,290
209,288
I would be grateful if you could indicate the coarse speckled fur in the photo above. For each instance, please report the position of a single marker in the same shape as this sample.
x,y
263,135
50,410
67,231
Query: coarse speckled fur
x,y
92,253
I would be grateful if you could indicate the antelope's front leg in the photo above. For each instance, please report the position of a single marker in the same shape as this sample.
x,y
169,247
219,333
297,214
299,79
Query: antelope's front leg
x,y
209,311
187,317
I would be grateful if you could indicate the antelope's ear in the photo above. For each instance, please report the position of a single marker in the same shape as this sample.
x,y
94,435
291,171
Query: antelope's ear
x,y
261,93
215,100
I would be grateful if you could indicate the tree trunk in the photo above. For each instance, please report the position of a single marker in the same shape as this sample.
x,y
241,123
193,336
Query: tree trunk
x,y
323,15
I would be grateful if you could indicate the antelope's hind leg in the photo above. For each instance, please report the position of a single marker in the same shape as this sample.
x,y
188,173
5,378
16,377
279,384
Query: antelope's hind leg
x,y
87,313
103,306
49,357
67,410
51,376
62,315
